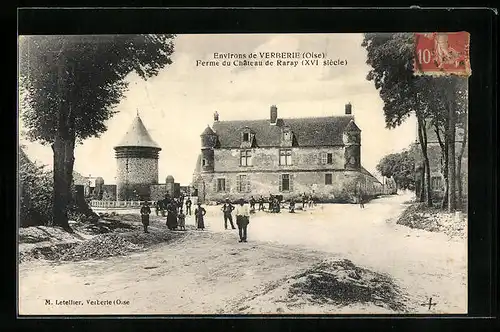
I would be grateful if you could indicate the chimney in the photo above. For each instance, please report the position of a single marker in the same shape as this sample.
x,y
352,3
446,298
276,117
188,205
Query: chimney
x,y
216,116
348,109
274,114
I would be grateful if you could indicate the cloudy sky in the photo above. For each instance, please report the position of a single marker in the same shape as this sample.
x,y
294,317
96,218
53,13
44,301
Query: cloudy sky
x,y
179,103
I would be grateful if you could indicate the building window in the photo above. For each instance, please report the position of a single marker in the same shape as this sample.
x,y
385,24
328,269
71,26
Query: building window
x,y
243,183
221,185
328,178
245,158
245,137
327,158
203,162
285,157
286,182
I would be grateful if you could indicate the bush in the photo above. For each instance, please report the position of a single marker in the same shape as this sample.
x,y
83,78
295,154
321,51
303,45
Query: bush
x,y
35,184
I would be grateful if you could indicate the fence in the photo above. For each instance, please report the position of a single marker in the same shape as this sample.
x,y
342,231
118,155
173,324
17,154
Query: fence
x,y
117,204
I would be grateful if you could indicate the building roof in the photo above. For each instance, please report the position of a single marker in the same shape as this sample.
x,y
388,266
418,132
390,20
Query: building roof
x,y
365,171
317,131
137,136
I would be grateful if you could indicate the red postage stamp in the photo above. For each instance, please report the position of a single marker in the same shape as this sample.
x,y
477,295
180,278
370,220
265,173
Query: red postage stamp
x,y
442,53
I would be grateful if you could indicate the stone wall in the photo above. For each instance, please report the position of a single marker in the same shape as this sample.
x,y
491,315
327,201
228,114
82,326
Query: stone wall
x,y
268,159
158,191
342,189
138,173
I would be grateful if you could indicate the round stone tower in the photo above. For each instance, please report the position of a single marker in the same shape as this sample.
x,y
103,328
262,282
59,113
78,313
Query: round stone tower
x,y
208,142
137,163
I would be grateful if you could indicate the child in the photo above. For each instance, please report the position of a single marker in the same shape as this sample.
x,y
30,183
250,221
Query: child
x,y
182,220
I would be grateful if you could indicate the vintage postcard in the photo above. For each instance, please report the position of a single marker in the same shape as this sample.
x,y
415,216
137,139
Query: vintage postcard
x,y
243,174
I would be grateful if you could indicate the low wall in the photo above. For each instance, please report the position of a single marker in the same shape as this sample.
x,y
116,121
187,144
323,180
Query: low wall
x,y
117,204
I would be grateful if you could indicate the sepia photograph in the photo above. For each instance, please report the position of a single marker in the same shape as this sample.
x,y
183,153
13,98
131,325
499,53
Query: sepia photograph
x,y
243,174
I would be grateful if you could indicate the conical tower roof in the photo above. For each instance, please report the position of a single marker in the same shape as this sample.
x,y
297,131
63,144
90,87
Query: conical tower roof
x,y
137,136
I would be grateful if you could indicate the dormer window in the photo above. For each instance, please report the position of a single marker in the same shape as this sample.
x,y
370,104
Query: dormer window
x,y
286,136
247,137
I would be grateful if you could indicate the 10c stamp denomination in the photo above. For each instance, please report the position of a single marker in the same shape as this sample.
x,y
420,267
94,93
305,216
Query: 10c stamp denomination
x,y
442,53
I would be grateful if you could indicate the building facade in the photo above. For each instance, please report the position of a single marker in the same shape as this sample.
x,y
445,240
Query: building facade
x,y
289,157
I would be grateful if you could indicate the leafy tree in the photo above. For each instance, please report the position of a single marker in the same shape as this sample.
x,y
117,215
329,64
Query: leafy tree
x,y
71,85
400,167
433,100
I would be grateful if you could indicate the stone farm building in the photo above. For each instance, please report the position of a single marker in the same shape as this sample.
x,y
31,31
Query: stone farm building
x,y
289,157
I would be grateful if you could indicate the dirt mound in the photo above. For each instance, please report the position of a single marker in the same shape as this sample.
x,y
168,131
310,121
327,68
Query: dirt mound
x,y
152,238
332,286
36,234
100,246
49,252
104,226
420,216
342,283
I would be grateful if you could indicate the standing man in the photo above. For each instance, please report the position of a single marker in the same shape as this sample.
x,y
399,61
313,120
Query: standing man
x,y
181,200
227,209
188,205
261,203
145,211
252,204
292,205
199,214
157,208
360,199
242,220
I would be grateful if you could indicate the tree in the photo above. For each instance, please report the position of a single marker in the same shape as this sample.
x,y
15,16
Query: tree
x,y
403,93
434,100
71,85
400,167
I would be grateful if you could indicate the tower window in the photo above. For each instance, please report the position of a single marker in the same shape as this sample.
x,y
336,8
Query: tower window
x,y
246,137
204,162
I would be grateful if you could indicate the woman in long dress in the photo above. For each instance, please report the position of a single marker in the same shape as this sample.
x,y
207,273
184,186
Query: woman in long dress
x,y
171,216
199,214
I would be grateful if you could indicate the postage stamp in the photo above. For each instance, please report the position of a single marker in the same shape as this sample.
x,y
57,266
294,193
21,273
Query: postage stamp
x,y
207,174
442,53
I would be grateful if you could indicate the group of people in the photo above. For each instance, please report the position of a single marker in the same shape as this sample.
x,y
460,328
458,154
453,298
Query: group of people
x,y
275,201
174,210
176,217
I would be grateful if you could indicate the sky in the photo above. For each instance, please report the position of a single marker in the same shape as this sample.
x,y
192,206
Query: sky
x,y
178,103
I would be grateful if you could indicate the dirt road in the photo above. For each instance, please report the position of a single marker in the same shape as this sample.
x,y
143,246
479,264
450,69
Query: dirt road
x,y
209,272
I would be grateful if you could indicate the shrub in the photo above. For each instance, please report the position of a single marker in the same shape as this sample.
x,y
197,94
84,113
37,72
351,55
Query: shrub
x,y
35,193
